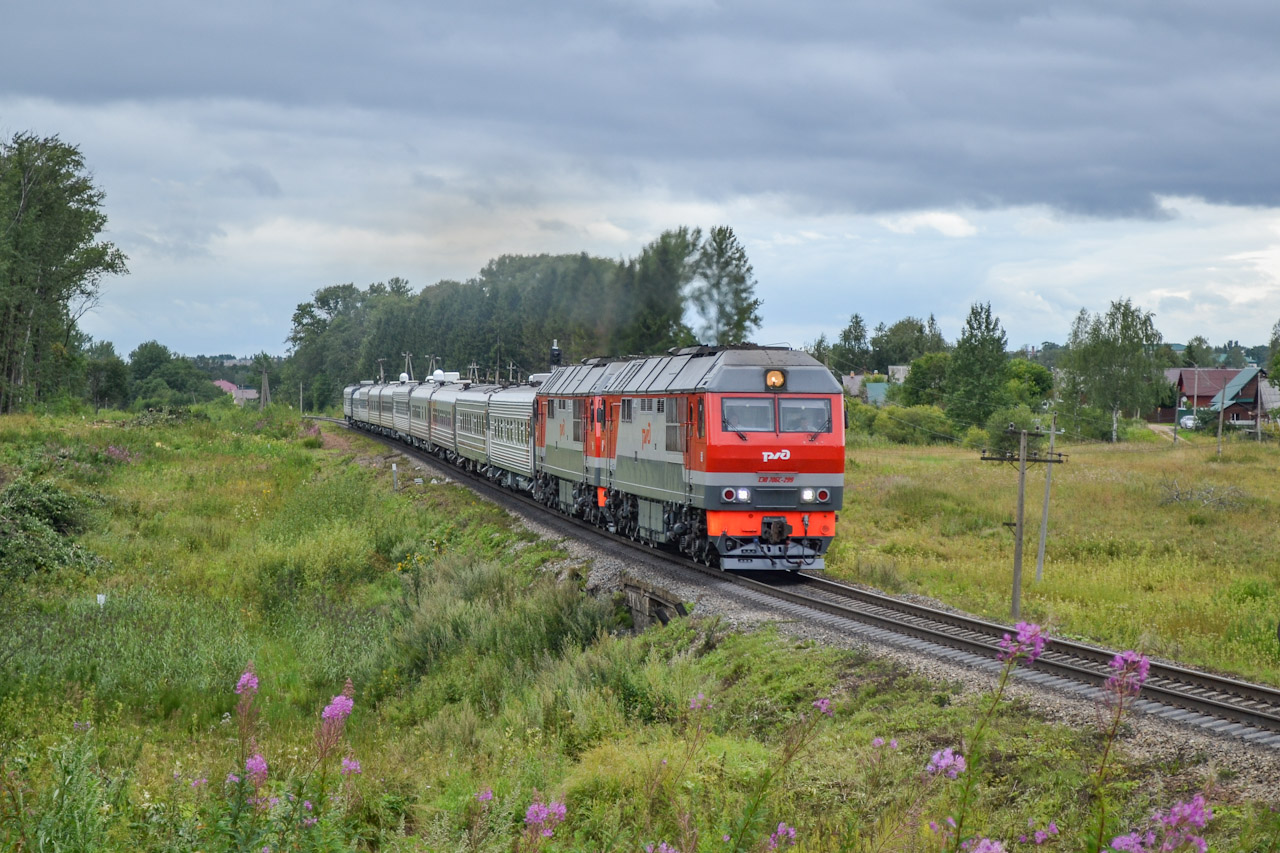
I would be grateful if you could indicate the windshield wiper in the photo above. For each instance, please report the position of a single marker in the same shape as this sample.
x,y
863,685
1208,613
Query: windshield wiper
x,y
724,424
826,427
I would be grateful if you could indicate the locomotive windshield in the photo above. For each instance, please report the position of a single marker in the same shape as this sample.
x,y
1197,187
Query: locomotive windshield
x,y
793,414
747,414
798,415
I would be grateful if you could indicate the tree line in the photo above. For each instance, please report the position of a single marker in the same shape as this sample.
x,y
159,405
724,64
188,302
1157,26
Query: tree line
x,y
1111,366
499,324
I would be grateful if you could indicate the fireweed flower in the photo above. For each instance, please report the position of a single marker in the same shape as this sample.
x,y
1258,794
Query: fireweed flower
x,y
333,718
664,847
877,742
986,845
949,763
485,796
255,768
783,835
350,766
824,706
1171,830
1029,643
248,683
544,817
697,703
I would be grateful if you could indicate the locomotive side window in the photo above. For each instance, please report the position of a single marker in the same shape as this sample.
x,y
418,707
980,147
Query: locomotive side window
x,y
747,414
675,429
579,409
702,420
625,414
799,415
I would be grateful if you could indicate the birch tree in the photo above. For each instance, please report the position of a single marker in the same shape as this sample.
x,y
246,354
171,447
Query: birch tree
x,y
51,262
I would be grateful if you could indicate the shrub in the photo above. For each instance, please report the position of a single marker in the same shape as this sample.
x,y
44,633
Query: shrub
x,y
861,416
913,425
1000,439
44,502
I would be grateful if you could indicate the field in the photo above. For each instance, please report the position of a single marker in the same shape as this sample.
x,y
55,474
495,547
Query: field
x,y
186,598
1168,550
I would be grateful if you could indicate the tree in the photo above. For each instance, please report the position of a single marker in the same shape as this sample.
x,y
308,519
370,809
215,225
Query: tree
x,y
1113,360
926,382
106,376
904,342
723,292
1028,384
976,377
1198,353
147,358
851,353
51,262
654,285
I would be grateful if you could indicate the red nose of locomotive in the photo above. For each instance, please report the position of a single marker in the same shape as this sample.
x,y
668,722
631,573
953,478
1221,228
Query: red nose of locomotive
x,y
777,464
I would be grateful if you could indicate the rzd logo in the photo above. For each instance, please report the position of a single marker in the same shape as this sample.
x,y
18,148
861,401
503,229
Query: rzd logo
x,y
769,456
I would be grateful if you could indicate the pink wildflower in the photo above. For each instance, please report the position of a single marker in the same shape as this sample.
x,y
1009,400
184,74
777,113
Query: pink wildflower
x,y
986,845
350,766
544,817
949,763
255,767
1029,643
485,796
332,720
824,706
248,683
1128,673
783,835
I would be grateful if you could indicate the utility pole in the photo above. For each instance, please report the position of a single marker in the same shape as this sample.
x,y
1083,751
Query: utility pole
x,y
382,379
1222,407
1257,403
1023,459
300,398
1048,476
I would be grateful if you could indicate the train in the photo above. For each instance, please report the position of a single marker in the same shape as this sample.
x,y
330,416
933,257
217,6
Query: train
x,y
731,455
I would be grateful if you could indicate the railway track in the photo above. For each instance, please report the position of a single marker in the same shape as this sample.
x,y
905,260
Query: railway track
x,y
1220,704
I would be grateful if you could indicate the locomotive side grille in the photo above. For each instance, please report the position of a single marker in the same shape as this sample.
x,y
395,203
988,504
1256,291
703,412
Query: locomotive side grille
x,y
776,498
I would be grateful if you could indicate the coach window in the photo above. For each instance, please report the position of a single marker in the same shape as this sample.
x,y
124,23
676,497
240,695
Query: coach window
x,y
800,415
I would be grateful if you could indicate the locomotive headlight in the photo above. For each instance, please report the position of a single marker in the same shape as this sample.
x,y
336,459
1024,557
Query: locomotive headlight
x,y
744,496
775,379
728,495
807,496
824,495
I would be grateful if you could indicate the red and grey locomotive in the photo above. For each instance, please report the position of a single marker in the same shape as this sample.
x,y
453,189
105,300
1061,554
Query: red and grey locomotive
x,y
732,455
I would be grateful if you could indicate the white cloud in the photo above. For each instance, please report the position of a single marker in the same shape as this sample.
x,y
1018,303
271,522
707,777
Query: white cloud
x,y
946,224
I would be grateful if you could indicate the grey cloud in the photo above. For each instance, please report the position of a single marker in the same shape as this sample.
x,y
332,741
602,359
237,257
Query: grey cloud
x,y
1094,108
255,177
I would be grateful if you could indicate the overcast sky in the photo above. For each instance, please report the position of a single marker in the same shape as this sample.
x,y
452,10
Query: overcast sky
x,y
890,159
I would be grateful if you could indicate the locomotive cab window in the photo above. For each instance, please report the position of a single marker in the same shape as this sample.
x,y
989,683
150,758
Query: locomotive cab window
x,y
800,415
747,414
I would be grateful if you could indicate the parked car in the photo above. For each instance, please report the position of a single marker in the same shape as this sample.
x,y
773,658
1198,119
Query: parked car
x,y
1189,422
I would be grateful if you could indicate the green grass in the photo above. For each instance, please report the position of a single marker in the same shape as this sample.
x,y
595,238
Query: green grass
x,y
1125,566
232,537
